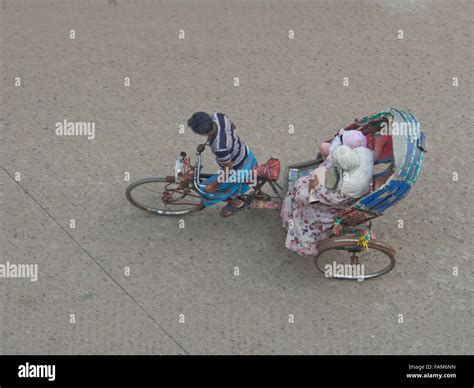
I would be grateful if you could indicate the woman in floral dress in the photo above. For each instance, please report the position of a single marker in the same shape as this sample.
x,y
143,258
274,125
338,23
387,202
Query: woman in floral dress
x,y
308,223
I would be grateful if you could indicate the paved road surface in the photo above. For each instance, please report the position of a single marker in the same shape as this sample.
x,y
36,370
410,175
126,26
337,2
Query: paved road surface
x,y
189,271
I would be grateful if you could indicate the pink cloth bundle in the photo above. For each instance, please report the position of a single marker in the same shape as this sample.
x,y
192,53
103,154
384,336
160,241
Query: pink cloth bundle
x,y
354,139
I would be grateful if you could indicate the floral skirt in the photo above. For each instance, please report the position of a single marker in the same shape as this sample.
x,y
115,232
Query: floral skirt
x,y
307,223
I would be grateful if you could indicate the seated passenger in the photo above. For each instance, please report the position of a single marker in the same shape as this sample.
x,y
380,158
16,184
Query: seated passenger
x,y
309,209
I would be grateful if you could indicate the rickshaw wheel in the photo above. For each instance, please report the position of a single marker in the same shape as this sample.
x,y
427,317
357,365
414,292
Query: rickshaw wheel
x,y
350,244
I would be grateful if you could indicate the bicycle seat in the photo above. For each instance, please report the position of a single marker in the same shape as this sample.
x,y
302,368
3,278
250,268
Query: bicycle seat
x,y
269,170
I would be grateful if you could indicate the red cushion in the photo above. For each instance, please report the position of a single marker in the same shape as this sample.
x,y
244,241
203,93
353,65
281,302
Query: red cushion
x,y
382,146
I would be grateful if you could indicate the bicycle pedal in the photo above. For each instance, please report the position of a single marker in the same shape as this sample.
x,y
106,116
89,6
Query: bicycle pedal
x,y
243,208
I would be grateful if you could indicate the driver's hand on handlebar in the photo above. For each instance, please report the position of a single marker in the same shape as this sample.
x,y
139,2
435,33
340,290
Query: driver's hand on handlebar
x,y
212,187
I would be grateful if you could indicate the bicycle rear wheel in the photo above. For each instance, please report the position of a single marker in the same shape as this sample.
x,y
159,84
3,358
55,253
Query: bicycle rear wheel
x,y
163,196
341,257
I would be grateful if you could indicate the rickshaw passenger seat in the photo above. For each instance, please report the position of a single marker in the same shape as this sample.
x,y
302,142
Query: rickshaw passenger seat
x,y
383,155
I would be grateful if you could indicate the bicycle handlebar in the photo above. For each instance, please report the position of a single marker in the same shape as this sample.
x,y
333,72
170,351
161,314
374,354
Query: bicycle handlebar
x,y
197,171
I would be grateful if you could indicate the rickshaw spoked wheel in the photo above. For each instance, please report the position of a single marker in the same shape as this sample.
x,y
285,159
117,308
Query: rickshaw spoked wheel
x,y
360,264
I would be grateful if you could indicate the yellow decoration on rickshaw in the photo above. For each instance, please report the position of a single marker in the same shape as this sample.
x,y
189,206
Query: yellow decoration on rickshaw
x,y
363,242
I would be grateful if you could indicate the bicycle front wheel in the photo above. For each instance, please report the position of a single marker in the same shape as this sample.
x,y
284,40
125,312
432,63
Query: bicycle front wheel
x,y
163,196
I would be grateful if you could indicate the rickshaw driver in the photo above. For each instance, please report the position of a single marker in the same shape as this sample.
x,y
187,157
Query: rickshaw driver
x,y
232,155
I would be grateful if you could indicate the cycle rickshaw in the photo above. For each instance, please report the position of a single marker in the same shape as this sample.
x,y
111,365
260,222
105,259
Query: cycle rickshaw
x,y
398,144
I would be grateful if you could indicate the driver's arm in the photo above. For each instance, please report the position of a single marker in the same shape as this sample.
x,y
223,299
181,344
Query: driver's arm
x,y
228,168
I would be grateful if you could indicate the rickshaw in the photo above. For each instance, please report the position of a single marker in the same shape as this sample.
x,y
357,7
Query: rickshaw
x,y
398,144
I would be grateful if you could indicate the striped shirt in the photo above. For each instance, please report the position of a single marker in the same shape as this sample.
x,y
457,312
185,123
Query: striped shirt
x,y
226,145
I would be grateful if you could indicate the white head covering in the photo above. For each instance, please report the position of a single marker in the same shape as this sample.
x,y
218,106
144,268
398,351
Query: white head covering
x,y
355,168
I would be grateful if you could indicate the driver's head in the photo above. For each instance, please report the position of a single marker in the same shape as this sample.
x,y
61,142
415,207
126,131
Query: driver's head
x,y
201,123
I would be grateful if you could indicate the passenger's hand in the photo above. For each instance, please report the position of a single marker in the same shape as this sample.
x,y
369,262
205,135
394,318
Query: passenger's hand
x,y
212,187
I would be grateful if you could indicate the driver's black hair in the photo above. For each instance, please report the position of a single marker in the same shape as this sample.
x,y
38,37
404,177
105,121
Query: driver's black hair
x,y
200,122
